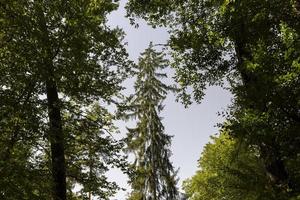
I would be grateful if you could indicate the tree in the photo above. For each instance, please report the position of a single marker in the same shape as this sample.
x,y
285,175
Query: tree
x,y
23,173
91,150
53,52
255,46
228,170
153,176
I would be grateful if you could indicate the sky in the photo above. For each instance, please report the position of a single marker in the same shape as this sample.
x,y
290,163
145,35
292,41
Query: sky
x,y
192,126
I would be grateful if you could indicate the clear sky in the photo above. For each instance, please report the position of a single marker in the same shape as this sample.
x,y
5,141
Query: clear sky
x,y
190,126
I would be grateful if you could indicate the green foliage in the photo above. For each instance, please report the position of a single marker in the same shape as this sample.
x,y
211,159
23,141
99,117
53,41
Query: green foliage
x,y
207,37
153,175
228,170
254,45
62,48
91,150
152,11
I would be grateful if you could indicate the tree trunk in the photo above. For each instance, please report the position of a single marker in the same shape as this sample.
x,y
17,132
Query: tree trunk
x,y
154,177
56,136
275,167
57,141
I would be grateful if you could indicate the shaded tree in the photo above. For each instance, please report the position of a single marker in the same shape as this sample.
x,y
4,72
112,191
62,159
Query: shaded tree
x,y
53,52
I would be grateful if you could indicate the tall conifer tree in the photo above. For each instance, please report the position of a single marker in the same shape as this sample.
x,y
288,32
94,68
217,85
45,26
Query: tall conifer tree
x,y
154,175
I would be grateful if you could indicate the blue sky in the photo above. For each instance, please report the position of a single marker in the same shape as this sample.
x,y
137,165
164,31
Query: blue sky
x,y
190,126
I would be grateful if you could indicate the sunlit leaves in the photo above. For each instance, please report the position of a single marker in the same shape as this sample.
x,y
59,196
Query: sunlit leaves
x,y
228,170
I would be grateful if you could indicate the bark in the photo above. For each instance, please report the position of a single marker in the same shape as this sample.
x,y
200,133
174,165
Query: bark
x,y
57,142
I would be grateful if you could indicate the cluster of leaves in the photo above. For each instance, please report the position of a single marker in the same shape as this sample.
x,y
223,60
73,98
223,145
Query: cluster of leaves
x,y
229,170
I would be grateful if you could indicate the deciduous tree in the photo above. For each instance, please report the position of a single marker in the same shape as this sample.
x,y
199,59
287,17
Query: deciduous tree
x,y
229,170
53,52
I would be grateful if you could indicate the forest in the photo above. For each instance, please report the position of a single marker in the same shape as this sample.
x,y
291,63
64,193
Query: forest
x,y
63,70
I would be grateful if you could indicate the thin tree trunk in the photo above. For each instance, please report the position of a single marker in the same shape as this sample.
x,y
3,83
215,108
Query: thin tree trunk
x,y
56,136
56,141
91,165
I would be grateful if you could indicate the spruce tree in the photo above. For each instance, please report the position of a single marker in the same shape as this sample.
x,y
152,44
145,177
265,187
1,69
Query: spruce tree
x,y
255,46
153,176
